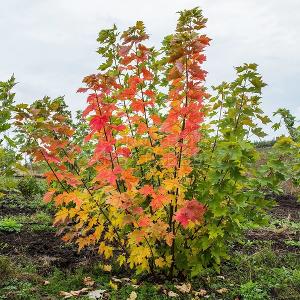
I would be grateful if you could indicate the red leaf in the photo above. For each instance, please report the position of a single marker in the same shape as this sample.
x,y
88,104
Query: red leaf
x,y
124,151
51,158
124,50
48,196
147,74
192,211
103,146
82,90
146,190
144,221
157,201
98,122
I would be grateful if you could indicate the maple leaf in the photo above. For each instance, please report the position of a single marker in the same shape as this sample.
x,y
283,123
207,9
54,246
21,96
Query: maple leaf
x,y
87,110
174,74
144,221
160,262
51,158
146,74
184,288
158,200
49,195
88,281
82,90
146,190
191,211
72,180
137,105
98,122
124,151
104,146
124,50
61,215
106,174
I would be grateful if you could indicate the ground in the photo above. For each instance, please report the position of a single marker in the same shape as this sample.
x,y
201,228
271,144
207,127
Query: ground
x,y
36,264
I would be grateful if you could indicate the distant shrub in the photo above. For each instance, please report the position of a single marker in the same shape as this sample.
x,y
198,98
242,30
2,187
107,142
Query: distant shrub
x,y
264,144
31,186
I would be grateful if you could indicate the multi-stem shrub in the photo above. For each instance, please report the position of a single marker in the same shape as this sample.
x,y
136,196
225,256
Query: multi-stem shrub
x,y
161,184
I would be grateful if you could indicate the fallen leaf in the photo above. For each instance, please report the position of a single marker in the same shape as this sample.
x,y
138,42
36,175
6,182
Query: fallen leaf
x,y
88,281
222,291
201,293
132,296
97,294
184,288
70,294
107,268
135,286
172,294
116,279
46,282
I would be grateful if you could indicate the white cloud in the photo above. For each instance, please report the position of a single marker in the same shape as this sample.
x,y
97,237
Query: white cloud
x,y
50,45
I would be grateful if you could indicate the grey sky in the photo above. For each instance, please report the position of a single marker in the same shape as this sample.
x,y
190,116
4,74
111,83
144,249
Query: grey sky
x,y
50,44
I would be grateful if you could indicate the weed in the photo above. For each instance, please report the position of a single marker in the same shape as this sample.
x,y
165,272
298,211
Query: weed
x,y
7,269
252,291
10,224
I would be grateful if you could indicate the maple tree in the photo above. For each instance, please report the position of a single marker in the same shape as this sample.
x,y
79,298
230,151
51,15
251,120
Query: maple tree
x,y
155,180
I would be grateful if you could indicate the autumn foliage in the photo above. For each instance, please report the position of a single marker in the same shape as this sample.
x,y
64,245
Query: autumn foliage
x,y
136,187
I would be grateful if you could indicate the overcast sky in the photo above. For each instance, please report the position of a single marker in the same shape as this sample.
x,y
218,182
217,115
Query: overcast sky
x,y
50,44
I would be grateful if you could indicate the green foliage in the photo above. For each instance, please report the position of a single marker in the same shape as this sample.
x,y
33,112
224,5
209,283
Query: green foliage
x,y
6,107
290,123
8,183
8,159
43,110
229,179
7,269
10,224
31,187
252,291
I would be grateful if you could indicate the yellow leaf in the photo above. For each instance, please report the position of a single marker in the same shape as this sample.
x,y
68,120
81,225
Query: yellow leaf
x,y
98,231
159,150
113,285
107,268
61,215
145,158
106,250
160,262
170,184
121,260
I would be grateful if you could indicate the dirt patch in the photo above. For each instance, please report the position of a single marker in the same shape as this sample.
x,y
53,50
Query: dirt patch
x,y
46,248
278,240
15,211
287,207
